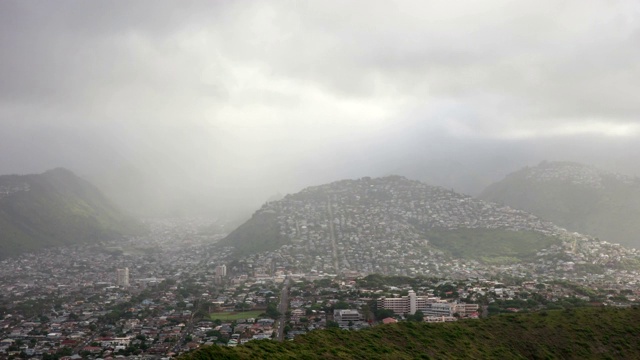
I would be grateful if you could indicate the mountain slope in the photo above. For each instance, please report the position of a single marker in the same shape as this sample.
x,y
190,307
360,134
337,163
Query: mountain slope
x,y
577,197
391,214
585,333
55,208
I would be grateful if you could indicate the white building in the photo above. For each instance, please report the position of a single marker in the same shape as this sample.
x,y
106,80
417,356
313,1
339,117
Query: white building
x,y
123,277
430,306
344,316
439,310
407,304
221,270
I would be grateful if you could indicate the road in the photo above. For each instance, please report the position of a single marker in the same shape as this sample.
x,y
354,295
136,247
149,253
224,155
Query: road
x,y
282,308
333,237
188,329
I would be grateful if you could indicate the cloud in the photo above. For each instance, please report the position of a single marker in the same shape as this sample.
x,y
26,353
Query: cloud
x,y
224,93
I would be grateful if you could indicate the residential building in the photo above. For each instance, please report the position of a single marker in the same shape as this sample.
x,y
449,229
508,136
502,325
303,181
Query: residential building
x,y
123,277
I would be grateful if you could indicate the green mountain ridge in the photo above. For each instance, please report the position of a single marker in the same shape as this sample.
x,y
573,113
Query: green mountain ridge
x,y
575,196
53,209
581,333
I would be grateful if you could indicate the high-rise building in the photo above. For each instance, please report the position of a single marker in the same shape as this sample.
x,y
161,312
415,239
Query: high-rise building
x,y
221,270
123,277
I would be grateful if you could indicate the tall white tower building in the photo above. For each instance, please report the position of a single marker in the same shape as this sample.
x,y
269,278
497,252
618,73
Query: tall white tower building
x,y
412,302
123,277
221,270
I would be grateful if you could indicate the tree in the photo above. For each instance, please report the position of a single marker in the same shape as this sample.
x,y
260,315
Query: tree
x,y
341,305
383,313
242,306
417,317
332,324
272,311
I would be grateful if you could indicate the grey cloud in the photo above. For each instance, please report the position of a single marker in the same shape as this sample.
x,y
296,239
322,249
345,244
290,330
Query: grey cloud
x,y
247,99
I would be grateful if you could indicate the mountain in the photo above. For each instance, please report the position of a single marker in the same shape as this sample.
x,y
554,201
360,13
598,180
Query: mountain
x,y
587,333
575,196
363,224
55,208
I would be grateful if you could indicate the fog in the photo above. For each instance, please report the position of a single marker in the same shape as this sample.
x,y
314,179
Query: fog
x,y
182,107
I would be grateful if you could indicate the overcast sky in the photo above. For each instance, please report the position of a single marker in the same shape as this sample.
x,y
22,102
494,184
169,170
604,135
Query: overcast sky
x,y
250,98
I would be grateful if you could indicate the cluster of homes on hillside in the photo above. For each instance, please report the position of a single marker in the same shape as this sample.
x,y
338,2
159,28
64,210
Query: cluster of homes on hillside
x,y
8,189
574,173
374,226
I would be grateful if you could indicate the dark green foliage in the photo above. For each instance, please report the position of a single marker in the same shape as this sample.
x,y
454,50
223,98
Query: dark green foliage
x,y
58,209
272,311
576,333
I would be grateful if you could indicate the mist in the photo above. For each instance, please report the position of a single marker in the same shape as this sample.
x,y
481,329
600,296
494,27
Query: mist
x,y
213,107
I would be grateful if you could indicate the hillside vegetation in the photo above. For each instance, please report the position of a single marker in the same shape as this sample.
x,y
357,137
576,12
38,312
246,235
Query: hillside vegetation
x,y
55,208
490,245
577,197
260,233
582,333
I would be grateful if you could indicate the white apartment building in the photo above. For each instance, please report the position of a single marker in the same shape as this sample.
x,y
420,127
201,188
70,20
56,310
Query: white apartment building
x,y
221,270
122,277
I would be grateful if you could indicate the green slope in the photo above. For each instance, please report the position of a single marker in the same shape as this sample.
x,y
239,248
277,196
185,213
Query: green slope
x,y
587,333
490,245
58,208
260,233
609,210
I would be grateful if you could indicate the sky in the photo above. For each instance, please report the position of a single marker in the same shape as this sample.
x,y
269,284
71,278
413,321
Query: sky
x,y
230,102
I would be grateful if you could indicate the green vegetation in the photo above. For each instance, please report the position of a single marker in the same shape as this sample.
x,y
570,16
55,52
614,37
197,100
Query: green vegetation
x,y
230,316
258,234
58,208
573,333
490,245
609,211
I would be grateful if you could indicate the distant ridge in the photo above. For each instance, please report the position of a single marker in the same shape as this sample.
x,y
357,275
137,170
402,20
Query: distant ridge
x,y
53,209
576,196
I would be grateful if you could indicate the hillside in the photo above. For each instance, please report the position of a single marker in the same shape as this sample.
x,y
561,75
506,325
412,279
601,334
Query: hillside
x,y
55,208
577,197
389,225
587,333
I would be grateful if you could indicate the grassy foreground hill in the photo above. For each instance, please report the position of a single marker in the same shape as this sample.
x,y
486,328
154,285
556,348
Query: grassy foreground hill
x,y
576,197
55,208
586,333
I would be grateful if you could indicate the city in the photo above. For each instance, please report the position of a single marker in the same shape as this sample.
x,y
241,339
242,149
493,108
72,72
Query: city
x,y
168,293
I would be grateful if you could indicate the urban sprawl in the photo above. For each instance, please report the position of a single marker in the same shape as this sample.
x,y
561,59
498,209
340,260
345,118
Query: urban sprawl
x,y
351,259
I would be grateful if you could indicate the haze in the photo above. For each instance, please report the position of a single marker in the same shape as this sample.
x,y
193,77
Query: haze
x,y
170,106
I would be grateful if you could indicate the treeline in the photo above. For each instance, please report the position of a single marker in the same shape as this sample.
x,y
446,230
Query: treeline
x,y
558,334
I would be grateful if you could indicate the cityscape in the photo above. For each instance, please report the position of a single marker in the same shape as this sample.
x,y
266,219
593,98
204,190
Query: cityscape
x,y
170,292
